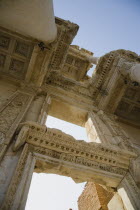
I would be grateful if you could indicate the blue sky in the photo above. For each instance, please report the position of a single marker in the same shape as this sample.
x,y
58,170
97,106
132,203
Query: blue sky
x,y
105,25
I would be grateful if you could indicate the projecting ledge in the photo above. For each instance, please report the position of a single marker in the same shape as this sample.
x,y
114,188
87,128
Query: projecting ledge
x,y
32,18
78,159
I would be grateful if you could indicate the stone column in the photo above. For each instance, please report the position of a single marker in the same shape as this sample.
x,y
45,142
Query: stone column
x,y
38,109
129,193
98,129
32,19
129,68
16,173
12,112
135,73
93,59
103,128
17,166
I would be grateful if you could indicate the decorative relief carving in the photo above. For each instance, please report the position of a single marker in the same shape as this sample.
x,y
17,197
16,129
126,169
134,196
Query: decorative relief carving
x,y
14,54
67,148
67,84
52,142
66,33
78,160
17,66
9,198
115,130
69,59
76,64
4,41
10,112
129,55
22,48
101,70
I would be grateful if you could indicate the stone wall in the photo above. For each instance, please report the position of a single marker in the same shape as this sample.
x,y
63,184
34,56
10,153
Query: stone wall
x,y
132,132
94,197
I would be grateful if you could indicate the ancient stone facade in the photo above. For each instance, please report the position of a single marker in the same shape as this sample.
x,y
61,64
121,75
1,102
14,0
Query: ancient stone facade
x,y
94,197
39,79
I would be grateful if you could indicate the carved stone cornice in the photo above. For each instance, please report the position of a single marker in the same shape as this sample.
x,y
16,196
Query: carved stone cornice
x,y
106,63
112,87
66,33
64,83
96,156
76,63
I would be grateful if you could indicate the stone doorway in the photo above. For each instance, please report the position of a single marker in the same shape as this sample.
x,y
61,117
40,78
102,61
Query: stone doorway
x,y
52,151
50,191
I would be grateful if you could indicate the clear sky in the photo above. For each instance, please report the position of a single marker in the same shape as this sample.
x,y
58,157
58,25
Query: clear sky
x,y
105,25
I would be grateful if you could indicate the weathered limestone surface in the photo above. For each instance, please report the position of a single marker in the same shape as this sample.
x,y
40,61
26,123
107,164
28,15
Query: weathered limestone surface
x,y
94,197
116,203
7,169
37,80
66,148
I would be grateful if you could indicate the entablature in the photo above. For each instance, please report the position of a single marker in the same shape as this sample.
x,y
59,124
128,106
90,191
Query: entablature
x,y
114,91
60,81
76,64
107,164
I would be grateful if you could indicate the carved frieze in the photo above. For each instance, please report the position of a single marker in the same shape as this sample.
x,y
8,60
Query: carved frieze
x,y
113,89
76,64
22,48
75,159
11,113
69,85
90,154
66,33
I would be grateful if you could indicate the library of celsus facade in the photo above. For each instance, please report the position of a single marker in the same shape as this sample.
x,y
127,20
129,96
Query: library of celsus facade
x,y
42,74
